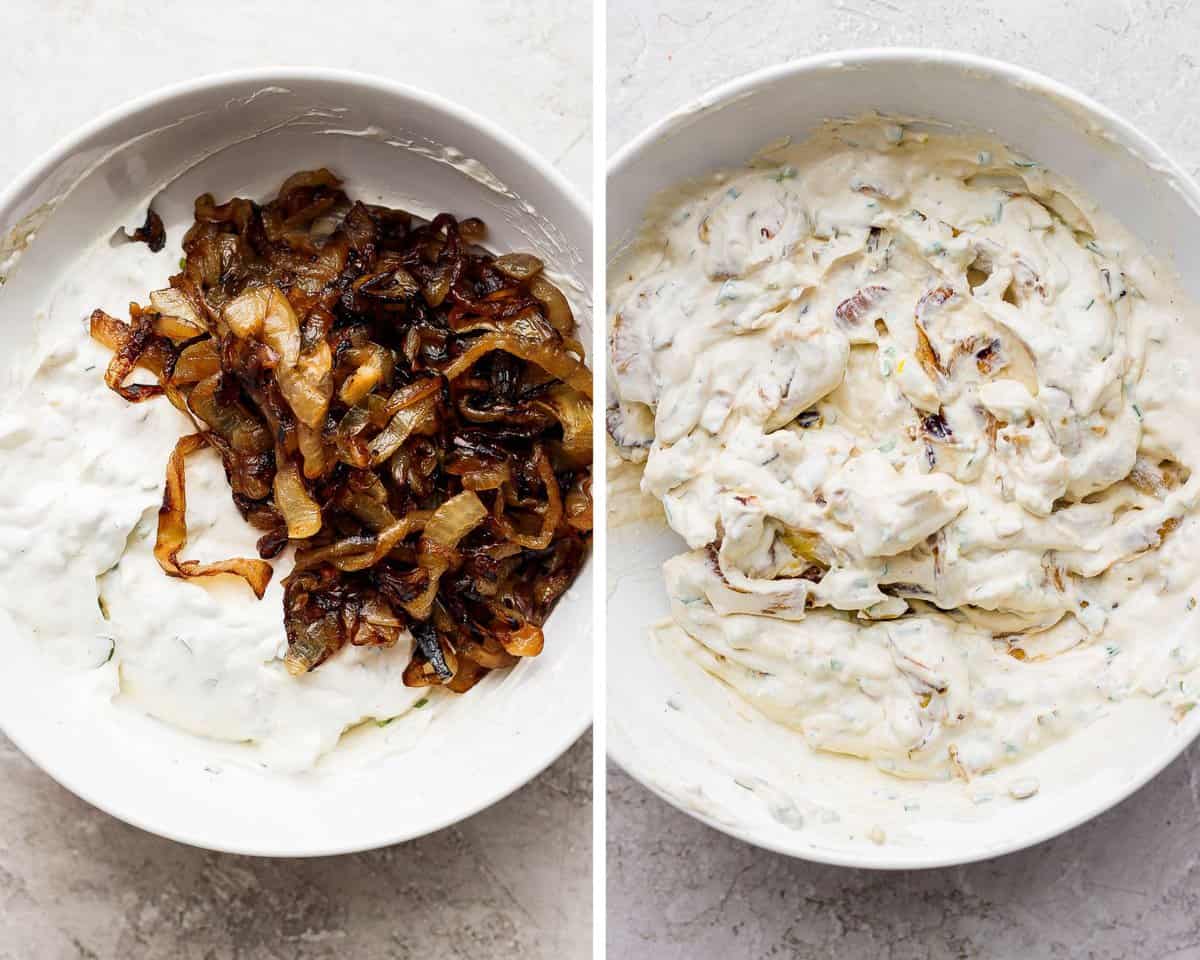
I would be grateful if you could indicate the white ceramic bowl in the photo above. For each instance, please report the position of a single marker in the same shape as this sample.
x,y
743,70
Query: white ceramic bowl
x,y
241,134
680,754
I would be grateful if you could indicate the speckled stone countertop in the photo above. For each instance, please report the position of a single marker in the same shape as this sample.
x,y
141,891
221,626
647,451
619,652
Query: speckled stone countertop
x,y
514,881
1126,885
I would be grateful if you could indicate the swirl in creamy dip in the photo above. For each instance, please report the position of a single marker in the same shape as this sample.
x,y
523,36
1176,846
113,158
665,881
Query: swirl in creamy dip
x,y
925,418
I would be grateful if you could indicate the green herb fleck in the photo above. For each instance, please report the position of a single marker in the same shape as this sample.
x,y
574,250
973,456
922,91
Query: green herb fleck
x,y
835,664
1025,164
112,651
183,263
733,193
1090,304
384,723
985,157
420,703
1138,411
785,173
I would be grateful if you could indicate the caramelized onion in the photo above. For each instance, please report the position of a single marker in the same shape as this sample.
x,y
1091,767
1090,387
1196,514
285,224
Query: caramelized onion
x,y
301,512
172,529
552,511
537,343
132,345
575,415
197,361
408,411
450,522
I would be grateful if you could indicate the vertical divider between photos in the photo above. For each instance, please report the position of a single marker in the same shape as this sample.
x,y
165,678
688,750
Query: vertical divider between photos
x,y
599,475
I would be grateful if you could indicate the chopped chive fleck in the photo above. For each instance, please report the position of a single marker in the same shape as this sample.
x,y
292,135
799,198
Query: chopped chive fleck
x,y
384,723
1138,411
420,703
1025,163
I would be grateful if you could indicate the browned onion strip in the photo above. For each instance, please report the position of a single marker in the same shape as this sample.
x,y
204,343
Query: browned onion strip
x,y
450,522
372,364
359,553
491,477
231,421
578,504
312,448
551,517
172,529
151,232
196,362
542,351
132,346
558,311
526,641
175,328
414,415
300,511
575,415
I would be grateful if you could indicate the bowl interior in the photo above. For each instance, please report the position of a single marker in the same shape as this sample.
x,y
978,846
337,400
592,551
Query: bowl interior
x,y
242,135
770,789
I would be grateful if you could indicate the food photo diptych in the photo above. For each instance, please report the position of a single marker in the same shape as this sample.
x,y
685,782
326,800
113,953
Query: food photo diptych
x,y
602,478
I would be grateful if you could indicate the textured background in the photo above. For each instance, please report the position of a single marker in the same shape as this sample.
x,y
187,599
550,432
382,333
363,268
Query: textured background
x,y
1125,885
512,881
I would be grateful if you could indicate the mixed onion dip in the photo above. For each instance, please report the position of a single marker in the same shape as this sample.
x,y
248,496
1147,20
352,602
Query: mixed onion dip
x,y
927,421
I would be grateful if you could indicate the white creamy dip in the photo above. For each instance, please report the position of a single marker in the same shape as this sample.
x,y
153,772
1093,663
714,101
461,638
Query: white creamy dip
x,y
81,480
925,418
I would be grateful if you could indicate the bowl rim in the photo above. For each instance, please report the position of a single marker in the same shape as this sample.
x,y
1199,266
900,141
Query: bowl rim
x,y
1042,86
33,174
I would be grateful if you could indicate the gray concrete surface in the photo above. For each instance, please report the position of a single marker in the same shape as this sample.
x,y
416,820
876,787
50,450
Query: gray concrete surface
x,y
514,881
1123,886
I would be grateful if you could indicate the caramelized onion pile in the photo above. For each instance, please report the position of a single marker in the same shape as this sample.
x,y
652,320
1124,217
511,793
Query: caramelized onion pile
x,y
412,414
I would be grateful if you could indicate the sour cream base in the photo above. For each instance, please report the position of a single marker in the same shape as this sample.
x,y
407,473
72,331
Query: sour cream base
x,y
81,479
924,417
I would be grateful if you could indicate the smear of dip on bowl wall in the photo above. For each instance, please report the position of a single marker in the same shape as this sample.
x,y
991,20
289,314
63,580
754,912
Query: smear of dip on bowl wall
x,y
301,781
939,509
